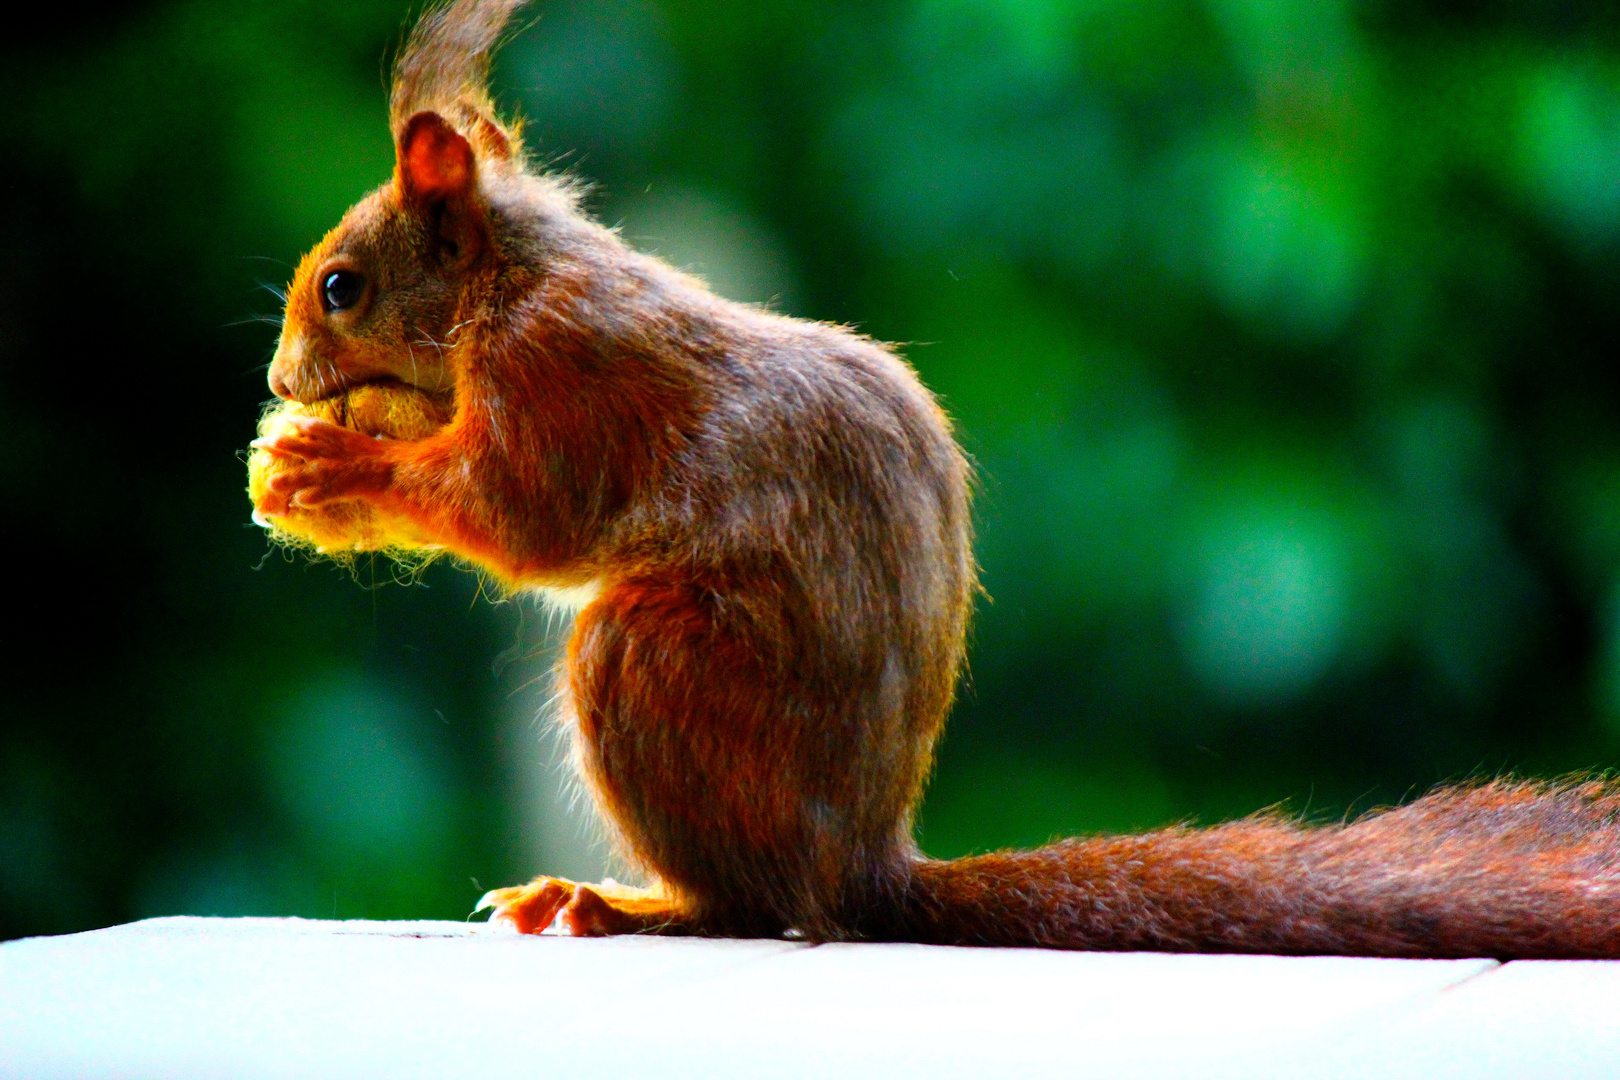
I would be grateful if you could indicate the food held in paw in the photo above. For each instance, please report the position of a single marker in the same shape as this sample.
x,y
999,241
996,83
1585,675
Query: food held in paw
x,y
385,410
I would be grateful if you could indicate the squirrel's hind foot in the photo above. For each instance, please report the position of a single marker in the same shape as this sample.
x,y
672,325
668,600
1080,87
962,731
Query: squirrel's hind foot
x,y
582,910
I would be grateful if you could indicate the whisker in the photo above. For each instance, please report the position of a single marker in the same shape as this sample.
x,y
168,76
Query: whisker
x,y
267,320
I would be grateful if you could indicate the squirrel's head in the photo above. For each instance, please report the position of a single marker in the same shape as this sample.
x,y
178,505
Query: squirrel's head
x,y
379,298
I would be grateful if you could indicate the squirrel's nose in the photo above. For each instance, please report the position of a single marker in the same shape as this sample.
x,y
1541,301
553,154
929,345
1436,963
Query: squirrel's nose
x,y
278,384
289,356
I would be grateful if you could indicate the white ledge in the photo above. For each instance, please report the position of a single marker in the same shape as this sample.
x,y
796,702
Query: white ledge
x,y
246,998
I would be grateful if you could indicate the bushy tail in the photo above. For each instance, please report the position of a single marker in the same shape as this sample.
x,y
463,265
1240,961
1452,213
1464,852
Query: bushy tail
x,y
1502,869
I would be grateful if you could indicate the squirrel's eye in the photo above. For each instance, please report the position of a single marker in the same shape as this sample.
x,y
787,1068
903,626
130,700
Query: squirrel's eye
x,y
342,289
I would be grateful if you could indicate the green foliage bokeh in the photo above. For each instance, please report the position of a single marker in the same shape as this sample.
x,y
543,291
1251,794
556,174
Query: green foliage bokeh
x,y
1283,333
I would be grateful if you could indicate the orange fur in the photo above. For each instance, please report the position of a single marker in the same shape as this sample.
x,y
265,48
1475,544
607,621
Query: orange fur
x,y
774,517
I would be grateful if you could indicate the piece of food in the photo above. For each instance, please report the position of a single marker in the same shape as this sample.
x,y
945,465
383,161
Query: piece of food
x,y
389,410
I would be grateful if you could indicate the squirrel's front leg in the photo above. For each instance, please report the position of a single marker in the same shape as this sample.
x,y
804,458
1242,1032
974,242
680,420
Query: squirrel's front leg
x,y
325,463
437,491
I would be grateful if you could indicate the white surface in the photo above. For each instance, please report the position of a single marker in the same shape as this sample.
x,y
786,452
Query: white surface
x,y
183,997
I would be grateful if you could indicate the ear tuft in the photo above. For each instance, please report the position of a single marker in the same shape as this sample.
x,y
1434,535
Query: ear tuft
x,y
436,165
492,139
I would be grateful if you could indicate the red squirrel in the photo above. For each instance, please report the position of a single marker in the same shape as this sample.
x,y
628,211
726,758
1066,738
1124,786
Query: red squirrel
x,y
768,522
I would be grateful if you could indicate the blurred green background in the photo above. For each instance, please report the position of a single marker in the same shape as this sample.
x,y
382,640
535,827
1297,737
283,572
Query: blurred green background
x,y
1283,331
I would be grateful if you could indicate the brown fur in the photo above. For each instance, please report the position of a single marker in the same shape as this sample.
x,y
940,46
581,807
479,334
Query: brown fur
x,y
774,516
1500,869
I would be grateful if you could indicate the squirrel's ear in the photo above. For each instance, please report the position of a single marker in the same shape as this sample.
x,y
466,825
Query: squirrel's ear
x,y
437,174
435,163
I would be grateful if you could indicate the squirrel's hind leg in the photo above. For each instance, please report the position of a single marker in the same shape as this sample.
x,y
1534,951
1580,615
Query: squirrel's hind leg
x,y
586,910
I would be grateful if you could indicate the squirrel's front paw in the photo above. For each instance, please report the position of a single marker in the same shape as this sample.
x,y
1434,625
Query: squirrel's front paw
x,y
322,462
